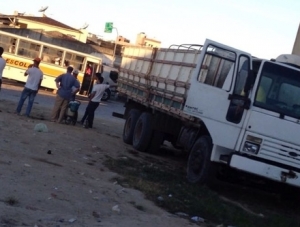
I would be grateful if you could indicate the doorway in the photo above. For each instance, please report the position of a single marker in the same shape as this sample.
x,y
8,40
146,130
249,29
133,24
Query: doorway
x,y
88,78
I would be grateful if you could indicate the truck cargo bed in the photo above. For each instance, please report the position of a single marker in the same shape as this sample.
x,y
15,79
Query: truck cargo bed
x,y
158,78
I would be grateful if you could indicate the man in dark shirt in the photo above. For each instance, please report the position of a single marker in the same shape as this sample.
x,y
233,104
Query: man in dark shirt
x,y
64,84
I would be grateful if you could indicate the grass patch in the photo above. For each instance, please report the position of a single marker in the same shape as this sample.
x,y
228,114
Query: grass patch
x,y
169,189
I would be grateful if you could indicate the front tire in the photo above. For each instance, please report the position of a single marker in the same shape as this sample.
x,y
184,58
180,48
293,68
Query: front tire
x,y
199,165
106,95
142,132
129,125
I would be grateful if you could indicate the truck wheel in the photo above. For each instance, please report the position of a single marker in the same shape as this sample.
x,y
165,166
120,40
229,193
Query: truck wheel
x,y
199,164
129,126
142,132
106,95
155,142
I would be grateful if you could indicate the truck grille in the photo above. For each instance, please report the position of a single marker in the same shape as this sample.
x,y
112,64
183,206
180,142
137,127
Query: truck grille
x,y
280,152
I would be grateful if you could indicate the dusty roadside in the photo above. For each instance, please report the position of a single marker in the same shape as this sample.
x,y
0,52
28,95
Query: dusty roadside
x,y
70,186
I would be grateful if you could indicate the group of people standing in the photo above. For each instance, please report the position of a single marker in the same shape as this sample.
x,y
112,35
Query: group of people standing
x,y
67,87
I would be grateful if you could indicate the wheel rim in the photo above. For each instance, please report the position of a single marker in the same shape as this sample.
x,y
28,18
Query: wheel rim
x,y
199,163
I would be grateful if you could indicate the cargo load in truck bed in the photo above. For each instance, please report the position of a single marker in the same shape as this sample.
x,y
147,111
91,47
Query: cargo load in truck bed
x,y
158,78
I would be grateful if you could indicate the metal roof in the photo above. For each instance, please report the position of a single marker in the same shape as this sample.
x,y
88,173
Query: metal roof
x,y
43,20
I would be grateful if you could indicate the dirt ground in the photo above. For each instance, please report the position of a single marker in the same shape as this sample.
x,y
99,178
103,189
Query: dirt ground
x,y
70,186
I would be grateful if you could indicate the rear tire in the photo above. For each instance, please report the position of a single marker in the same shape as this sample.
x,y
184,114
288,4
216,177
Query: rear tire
x,y
200,168
142,132
129,125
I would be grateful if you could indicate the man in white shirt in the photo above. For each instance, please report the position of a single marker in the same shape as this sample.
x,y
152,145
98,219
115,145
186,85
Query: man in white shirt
x,y
33,83
2,65
95,98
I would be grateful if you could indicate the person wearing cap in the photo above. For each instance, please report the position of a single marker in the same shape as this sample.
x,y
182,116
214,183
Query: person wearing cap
x,y
64,84
33,83
95,98
2,65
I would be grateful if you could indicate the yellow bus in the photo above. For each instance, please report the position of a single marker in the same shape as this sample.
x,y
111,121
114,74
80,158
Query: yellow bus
x,y
19,52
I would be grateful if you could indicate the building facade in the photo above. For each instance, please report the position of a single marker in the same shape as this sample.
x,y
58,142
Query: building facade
x,y
46,29
42,23
142,40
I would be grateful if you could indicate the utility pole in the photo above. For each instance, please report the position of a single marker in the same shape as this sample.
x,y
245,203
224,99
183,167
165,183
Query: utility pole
x,y
114,54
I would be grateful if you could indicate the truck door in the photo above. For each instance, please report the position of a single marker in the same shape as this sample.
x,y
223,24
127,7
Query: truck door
x,y
217,95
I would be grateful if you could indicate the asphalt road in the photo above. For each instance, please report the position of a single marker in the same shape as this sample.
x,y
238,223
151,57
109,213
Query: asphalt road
x,y
11,90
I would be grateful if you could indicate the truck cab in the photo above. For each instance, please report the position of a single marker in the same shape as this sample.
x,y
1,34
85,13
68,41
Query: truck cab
x,y
250,109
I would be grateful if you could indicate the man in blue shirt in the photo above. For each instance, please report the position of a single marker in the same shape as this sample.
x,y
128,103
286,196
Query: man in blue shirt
x,y
64,84
33,83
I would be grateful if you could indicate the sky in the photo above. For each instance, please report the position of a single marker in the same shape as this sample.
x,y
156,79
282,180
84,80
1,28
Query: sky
x,y
263,28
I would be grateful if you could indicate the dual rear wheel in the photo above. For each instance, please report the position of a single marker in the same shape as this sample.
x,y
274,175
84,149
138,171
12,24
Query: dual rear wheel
x,y
138,131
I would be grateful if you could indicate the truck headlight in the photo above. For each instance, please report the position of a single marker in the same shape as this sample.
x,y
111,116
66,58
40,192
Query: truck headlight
x,y
251,147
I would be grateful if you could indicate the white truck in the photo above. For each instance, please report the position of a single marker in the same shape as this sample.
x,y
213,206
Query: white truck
x,y
109,75
220,104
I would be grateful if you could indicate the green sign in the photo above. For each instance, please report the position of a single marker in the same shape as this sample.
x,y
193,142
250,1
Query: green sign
x,y
108,27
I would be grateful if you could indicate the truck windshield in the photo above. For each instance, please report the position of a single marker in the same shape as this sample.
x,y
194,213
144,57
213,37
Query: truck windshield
x,y
279,90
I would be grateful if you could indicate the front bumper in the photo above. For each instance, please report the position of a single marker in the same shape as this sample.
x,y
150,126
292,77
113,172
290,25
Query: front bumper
x,y
262,169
